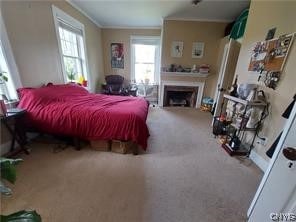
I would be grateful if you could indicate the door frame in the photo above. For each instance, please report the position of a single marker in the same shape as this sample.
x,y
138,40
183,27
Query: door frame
x,y
221,73
276,153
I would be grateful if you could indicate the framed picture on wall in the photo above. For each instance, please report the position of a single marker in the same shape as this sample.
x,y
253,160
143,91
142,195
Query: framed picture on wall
x,y
117,56
177,49
198,50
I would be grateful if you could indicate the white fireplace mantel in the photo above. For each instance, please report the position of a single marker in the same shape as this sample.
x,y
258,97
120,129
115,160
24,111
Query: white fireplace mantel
x,y
200,86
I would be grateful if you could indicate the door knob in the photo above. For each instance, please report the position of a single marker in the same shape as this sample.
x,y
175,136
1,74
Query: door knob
x,y
290,153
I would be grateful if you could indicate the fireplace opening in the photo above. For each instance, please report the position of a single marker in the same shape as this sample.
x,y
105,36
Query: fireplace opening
x,y
180,96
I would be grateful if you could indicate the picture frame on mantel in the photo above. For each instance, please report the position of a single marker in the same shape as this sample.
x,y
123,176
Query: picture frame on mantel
x,y
198,50
177,49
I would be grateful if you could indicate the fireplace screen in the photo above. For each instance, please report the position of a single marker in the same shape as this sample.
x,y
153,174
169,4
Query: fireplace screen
x,y
180,96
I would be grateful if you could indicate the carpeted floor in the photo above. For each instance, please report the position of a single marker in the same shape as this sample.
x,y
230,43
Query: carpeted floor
x,y
184,176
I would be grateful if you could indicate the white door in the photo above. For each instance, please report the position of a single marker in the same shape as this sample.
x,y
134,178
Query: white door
x,y
275,199
226,73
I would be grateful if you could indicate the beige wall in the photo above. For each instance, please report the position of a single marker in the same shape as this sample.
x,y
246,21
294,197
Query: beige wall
x,y
31,31
188,32
263,16
32,36
122,36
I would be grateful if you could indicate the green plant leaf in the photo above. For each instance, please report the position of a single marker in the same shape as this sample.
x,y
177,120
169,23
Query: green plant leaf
x,y
22,216
5,78
8,170
71,75
12,161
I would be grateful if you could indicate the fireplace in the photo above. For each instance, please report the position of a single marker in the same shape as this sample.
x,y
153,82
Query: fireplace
x,y
181,93
180,96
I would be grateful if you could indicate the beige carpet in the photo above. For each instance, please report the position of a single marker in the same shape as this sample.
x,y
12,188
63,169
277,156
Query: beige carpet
x,y
184,176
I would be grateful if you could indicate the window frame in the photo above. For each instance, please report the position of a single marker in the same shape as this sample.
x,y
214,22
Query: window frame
x,y
59,14
152,39
13,72
79,56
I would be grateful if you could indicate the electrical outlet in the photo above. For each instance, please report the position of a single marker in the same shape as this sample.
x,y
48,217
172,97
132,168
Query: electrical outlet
x,y
262,141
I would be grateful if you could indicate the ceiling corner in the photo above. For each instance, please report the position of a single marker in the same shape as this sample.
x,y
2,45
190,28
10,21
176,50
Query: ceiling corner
x,y
74,5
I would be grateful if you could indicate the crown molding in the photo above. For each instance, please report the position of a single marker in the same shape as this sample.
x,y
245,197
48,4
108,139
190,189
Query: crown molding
x,y
131,27
74,5
197,20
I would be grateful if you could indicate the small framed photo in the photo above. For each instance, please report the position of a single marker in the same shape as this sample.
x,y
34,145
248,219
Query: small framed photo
x,y
198,49
270,34
177,49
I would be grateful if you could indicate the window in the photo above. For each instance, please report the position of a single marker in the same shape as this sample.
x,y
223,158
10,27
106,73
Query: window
x,y
7,88
145,59
70,35
8,67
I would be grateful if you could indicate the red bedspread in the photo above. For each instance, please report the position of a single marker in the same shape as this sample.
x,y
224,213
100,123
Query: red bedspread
x,y
71,110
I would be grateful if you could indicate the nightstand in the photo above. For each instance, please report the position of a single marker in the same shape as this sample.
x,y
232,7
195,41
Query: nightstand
x,y
14,123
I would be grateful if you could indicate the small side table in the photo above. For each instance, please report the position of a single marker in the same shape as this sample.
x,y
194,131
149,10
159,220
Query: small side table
x,y
16,130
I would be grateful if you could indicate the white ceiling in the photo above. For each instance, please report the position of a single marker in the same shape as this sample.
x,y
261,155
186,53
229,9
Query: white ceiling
x,y
150,13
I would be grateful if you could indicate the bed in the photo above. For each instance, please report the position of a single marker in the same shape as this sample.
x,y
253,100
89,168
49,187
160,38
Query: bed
x,y
72,111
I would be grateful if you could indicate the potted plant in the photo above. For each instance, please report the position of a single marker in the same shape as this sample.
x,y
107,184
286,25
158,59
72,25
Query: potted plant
x,y
3,77
71,75
8,172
